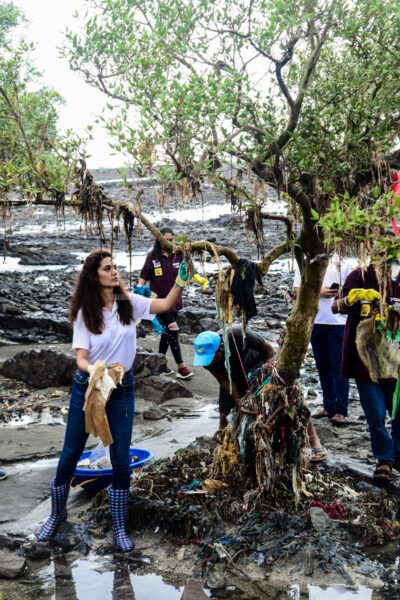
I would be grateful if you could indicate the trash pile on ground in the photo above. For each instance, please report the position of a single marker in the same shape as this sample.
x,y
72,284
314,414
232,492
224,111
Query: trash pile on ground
x,y
18,401
329,529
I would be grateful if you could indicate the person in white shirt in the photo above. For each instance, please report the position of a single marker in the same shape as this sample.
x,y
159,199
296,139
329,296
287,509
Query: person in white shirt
x,y
327,341
104,316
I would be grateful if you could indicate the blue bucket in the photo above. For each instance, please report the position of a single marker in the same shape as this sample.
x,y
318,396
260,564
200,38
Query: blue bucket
x,y
97,479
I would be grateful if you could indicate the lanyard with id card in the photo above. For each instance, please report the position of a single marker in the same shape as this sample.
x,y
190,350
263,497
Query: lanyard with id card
x,y
157,268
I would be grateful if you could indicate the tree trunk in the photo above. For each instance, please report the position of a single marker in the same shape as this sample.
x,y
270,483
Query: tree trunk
x,y
300,323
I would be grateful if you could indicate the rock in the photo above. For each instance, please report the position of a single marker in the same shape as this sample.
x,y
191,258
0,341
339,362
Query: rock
x,y
364,486
158,389
208,324
216,583
11,542
11,309
326,434
193,590
41,368
38,551
191,320
72,536
26,328
202,442
48,256
154,414
11,565
155,363
320,520
148,363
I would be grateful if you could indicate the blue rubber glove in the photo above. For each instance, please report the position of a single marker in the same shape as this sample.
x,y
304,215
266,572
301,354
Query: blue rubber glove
x,y
142,290
157,326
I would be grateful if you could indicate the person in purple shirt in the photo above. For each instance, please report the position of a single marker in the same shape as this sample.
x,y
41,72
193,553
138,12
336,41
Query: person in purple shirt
x,y
376,398
161,270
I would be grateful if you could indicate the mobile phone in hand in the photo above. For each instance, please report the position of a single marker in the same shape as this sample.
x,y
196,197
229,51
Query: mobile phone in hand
x,y
334,286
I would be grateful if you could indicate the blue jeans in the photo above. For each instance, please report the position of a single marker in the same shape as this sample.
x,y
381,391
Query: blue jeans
x,y
376,399
327,342
120,411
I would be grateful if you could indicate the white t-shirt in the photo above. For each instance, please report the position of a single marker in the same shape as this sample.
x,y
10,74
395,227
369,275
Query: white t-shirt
x,y
325,315
117,342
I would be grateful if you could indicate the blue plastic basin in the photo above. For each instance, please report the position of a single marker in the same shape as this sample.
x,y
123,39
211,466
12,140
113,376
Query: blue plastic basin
x,y
97,479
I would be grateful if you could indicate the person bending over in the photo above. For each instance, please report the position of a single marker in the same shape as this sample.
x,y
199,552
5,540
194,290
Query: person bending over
x,y
210,353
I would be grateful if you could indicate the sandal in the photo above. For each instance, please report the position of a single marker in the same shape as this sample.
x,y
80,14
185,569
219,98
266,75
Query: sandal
x,y
316,451
321,414
340,419
382,473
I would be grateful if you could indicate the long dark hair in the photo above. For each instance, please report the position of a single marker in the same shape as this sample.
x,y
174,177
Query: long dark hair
x,y
87,295
157,248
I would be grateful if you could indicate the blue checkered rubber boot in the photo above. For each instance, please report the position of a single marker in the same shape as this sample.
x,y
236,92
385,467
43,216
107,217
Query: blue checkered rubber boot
x,y
59,497
118,502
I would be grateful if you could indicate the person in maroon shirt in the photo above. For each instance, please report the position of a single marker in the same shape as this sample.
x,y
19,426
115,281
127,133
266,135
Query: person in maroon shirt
x,y
161,270
376,398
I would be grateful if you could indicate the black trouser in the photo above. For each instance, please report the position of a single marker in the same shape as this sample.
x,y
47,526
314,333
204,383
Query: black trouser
x,y
170,338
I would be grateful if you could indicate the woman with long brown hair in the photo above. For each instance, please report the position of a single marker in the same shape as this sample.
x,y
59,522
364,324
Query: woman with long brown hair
x,y
103,315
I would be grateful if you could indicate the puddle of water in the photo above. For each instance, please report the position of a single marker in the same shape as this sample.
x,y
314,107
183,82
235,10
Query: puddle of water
x,y
87,578
11,263
42,463
91,577
196,213
212,211
41,278
46,228
41,419
339,592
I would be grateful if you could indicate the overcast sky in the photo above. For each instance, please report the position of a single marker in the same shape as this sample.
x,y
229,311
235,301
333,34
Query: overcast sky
x,y
47,20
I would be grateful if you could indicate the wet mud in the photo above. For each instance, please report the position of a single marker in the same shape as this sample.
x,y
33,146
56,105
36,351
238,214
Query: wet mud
x,y
217,538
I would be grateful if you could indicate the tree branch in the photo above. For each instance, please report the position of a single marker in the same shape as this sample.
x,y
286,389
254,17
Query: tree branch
x,y
284,138
286,220
268,259
196,247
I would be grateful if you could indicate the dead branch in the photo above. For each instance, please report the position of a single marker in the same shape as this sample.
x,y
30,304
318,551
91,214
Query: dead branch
x,y
196,247
286,220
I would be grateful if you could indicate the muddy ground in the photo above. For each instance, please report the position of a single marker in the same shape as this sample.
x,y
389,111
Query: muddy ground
x,y
33,310
29,453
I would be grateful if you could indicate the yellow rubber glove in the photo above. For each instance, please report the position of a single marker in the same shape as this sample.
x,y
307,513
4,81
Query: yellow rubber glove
x,y
383,319
201,280
357,294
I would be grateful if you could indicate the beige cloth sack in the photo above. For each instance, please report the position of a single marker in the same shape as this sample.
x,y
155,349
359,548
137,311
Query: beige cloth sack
x,y
102,382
